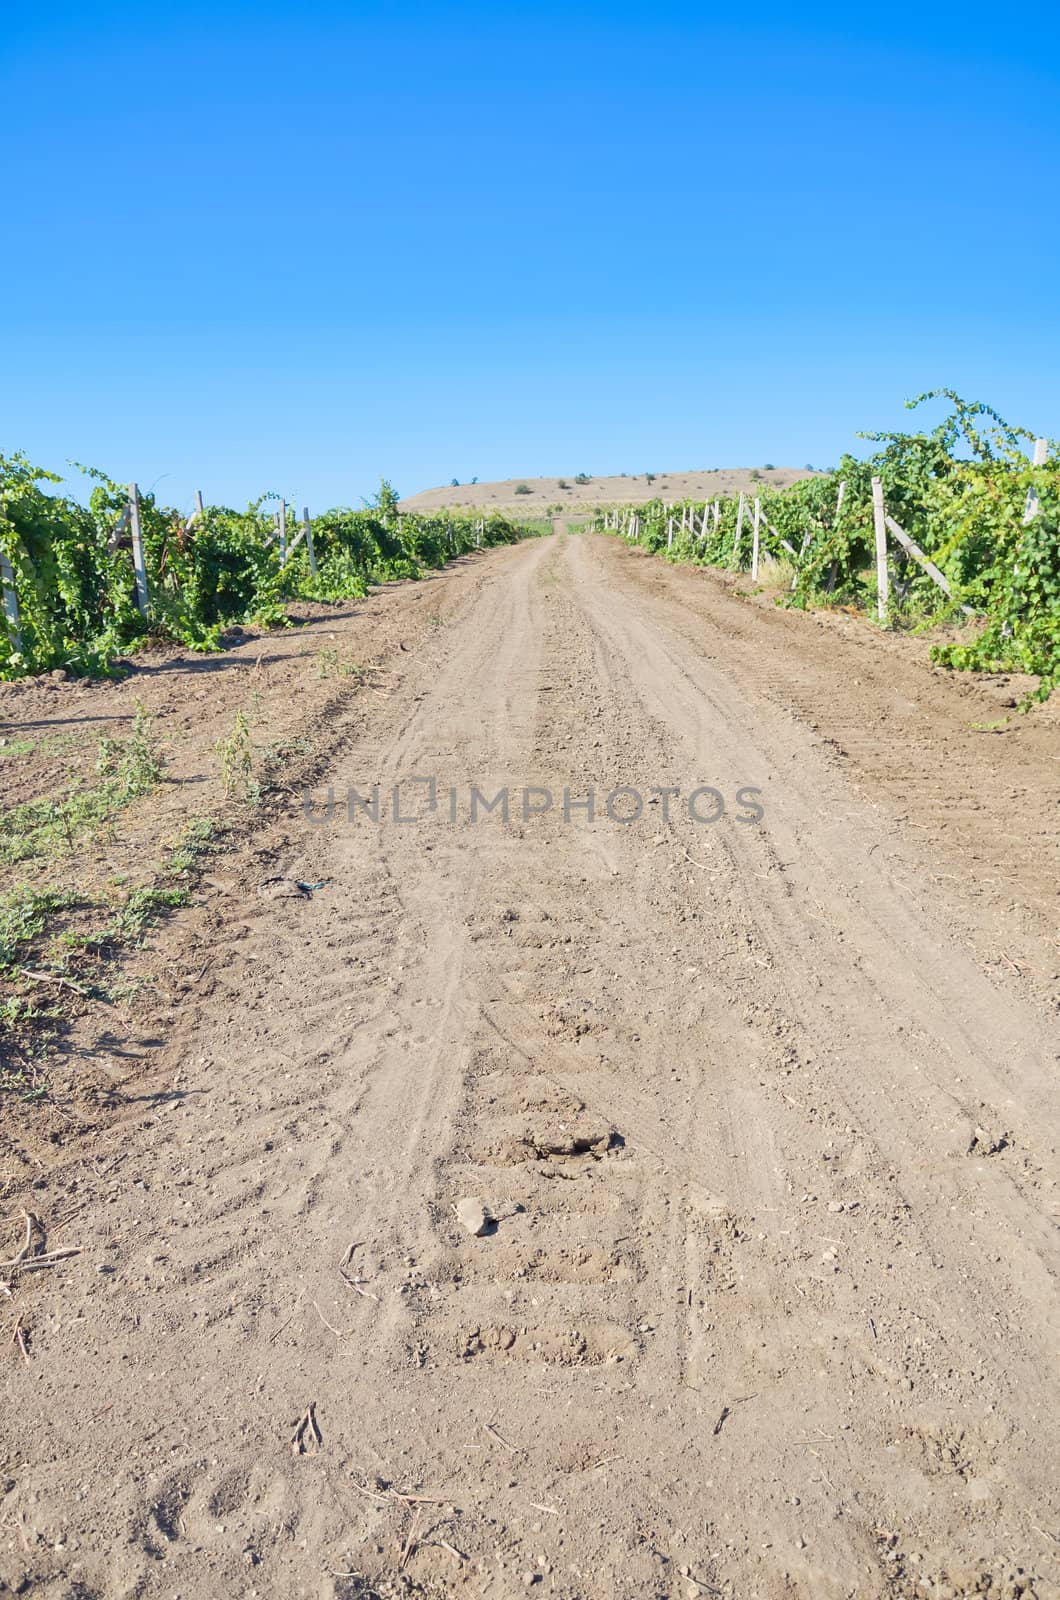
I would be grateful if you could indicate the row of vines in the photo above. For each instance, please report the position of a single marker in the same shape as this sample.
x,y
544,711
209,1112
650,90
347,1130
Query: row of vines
x,y
74,584
966,492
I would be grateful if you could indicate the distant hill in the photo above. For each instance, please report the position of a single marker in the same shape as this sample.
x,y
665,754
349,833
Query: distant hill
x,y
571,496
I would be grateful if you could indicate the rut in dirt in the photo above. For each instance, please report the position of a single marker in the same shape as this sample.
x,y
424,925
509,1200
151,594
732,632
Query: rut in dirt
x,y
760,1313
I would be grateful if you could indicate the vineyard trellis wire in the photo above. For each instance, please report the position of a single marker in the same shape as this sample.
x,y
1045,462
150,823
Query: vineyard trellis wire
x,y
934,527
83,584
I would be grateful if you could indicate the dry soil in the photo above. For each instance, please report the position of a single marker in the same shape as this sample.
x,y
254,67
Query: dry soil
x,y
764,1110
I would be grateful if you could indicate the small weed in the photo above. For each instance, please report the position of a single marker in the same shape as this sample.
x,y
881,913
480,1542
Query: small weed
x,y
274,754
15,747
142,907
330,664
202,833
22,1082
127,768
16,1012
121,990
199,838
132,766
237,759
24,916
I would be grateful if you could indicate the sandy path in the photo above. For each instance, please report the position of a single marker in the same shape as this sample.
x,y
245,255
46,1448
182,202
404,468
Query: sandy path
x,y
754,1321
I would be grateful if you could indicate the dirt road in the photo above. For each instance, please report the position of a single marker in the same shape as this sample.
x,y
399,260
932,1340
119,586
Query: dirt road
x,y
765,1109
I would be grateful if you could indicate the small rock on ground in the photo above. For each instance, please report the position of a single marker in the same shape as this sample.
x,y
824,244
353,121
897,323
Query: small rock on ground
x,y
475,1215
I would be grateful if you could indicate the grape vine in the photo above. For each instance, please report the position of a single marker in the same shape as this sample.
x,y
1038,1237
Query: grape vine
x,y
961,491
75,584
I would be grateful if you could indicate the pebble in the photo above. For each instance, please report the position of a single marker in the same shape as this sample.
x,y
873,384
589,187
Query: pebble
x,y
474,1215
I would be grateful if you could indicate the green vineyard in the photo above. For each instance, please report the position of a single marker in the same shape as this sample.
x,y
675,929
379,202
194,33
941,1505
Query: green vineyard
x,y
84,584
971,524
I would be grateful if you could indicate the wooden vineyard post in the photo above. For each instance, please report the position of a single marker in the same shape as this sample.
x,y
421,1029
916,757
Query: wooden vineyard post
x,y
195,517
7,581
138,549
669,532
739,528
911,548
307,531
879,520
802,551
282,526
717,515
1041,450
14,631
756,540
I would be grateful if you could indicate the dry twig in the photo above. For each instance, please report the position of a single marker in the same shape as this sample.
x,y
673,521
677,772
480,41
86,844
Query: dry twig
x,y
9,1266
50,1258
52,977
411,1540
356,1287
398,1496
330,1326
307,1434
19,1338
491,1430
274,1336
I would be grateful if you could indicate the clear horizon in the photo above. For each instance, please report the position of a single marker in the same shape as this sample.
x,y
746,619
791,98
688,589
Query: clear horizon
x,y
299,248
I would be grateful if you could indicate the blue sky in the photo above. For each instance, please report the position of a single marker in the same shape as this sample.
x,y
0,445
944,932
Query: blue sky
x,y
295,247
